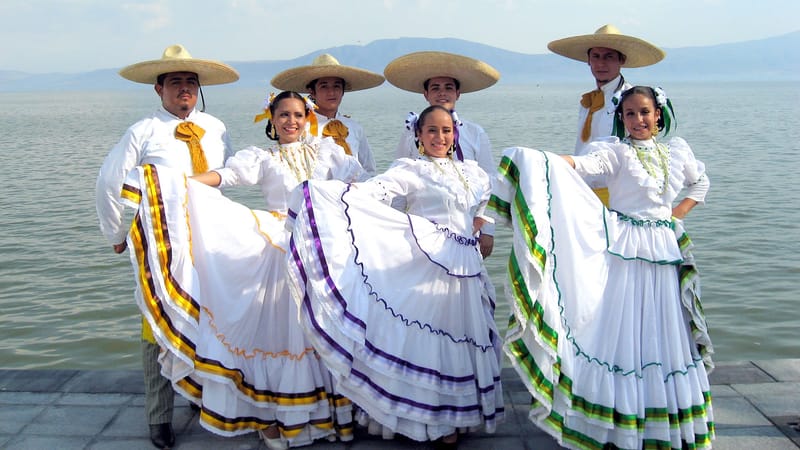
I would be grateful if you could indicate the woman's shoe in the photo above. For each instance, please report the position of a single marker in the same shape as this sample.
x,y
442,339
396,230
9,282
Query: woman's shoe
x,y
272,443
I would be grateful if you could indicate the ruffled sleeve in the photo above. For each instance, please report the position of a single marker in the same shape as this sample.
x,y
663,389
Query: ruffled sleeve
x,y
689,173
601,161
342,166
396,182
244,168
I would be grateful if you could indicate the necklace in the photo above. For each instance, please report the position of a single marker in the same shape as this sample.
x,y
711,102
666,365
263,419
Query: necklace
x,y
455,169
643,154
301,159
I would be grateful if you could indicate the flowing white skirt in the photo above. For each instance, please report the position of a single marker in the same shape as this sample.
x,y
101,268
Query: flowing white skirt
x,y
608,333
212,284
400,309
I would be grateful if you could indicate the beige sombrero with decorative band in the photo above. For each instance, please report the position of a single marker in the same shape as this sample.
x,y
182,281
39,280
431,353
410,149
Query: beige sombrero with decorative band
x,y
177,59
410,72
638,52
298,78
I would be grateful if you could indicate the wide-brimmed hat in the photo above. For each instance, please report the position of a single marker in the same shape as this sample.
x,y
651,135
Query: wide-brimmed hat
x,y
298,78
177,59
409,72
638,52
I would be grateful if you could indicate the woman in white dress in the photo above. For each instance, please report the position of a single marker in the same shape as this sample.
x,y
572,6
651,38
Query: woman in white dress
x,y
215,276
399,305
608,333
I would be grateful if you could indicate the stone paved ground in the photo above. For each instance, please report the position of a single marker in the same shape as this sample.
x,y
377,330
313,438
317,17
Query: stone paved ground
x,y
756,406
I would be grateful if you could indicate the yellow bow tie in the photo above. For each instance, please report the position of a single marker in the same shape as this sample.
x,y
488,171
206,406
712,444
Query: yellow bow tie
x,y
339,132
593,101
191,133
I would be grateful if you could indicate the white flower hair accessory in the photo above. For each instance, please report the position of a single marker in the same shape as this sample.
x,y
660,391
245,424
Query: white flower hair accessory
x,y
661,97
411,121
310,104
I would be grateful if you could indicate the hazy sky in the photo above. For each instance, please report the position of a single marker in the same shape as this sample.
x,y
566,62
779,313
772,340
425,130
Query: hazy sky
x,y
80,35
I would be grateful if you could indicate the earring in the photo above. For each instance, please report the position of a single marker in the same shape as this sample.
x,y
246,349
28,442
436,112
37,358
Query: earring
x,y
654,130
270,131
420,148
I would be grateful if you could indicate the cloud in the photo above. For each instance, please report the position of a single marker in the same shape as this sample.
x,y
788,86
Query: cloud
x,y
154,16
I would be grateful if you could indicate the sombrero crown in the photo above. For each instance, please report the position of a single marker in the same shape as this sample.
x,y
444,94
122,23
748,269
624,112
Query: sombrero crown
x,y
638,52
298,78
409,72
177,59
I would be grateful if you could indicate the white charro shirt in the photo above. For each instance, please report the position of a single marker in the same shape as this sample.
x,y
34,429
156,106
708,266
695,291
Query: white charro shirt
x,y
356,139
602,120
152,141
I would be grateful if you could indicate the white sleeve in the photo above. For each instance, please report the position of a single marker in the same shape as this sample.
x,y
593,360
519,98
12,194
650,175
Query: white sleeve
x,y
120,160
406,147
485,157
242,169
365,156
698,190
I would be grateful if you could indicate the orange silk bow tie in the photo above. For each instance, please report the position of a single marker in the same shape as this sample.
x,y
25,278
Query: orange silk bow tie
x,y
593,101
191,134
338,131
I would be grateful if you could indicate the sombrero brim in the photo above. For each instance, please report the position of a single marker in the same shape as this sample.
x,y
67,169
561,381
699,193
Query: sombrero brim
x,y
209,72
297,78
410,72
638,53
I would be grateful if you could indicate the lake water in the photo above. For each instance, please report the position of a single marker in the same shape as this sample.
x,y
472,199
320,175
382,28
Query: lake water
x,y
67,299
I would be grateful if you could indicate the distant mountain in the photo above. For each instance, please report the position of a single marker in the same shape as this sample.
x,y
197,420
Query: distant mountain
x,y
776,58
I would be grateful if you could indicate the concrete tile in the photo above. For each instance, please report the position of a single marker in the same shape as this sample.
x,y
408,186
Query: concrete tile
x,y
781,369
28,398
211,441
24,442
71,421
520,397
738,372
122,443
130,422
761,438
732,412
138,400
12,420
106,382
788,425
723,390
35,380
94,399
773,399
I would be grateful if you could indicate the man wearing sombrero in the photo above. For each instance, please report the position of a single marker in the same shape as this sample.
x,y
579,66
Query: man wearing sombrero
x,y
606,51
442,77
327,81
177,136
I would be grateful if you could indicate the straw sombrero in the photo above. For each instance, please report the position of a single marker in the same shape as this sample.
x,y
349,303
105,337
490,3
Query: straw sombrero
x,y
638,53
177,59
410,72
325,65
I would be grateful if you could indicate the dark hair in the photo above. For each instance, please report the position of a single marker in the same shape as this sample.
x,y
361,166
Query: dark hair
x,y
649,92
312,85
161,77
620,55
424,114
270,129
455,80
